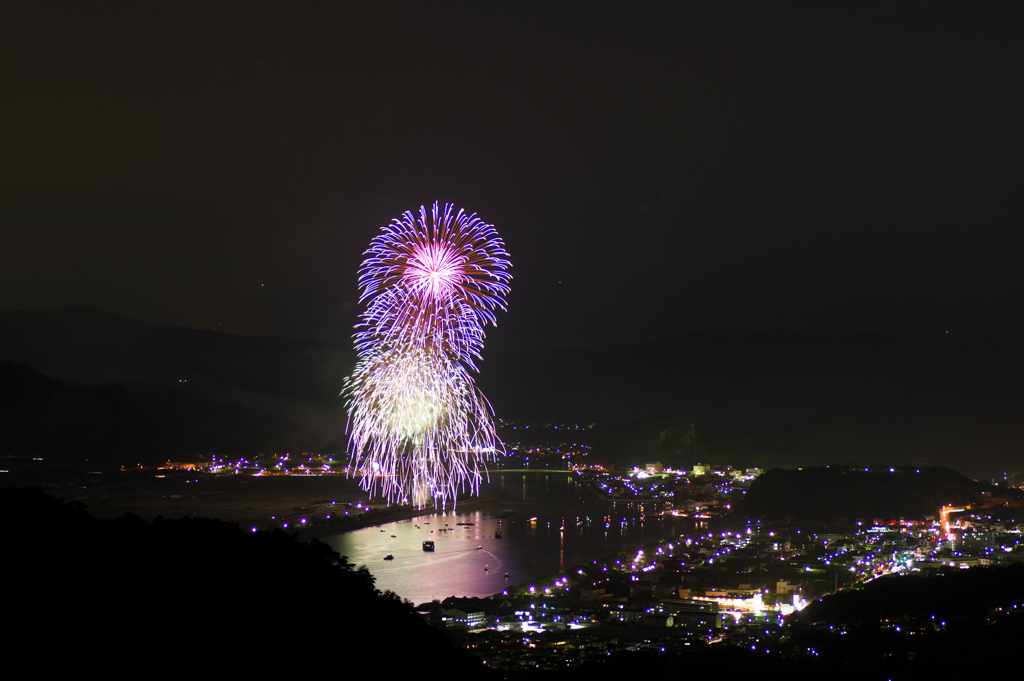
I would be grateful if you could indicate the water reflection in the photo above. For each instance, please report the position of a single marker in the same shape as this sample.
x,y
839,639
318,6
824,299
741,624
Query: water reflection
x,y
548,524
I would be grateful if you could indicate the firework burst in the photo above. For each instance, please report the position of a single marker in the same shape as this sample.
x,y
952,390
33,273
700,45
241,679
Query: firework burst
x,y
435,259
419,429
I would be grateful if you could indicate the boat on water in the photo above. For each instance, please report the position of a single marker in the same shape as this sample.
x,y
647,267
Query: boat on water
x,y
428,545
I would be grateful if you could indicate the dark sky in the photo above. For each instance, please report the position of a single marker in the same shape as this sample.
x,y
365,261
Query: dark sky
x,y
652,171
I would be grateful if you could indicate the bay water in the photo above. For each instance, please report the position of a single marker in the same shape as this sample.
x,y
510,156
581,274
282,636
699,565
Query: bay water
x,y
549,523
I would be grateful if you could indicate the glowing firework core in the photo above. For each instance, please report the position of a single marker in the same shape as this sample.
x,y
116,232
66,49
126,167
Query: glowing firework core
x,y
418,427
434,271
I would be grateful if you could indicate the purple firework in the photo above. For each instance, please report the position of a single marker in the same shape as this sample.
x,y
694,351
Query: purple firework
x,y
418,427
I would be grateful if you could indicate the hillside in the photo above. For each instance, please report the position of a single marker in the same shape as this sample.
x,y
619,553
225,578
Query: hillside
x,y
193,593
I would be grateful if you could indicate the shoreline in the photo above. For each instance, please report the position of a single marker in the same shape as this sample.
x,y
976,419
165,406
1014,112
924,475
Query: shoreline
x,y
249,501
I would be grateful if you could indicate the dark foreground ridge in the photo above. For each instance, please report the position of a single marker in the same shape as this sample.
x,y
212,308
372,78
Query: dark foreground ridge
x,y
196,595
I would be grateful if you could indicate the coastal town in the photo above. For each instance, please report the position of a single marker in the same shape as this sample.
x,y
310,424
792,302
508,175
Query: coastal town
x,y
738,583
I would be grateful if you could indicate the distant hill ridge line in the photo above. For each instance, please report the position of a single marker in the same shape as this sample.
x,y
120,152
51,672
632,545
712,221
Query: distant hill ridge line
x,y
801,395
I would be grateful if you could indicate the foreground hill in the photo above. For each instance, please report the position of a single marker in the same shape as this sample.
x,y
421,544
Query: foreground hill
x,y
184,596
916,627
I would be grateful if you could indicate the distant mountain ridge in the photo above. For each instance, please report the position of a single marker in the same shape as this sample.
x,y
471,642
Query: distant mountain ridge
x,y
762,377
759,397
126,391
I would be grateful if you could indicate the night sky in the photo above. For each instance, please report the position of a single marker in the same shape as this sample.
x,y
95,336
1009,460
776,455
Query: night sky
x,y
652,171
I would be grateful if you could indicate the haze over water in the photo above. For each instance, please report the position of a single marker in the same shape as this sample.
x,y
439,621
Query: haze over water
x,y
469,561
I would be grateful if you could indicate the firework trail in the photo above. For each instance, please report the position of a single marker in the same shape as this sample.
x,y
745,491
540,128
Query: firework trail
x,y
419,429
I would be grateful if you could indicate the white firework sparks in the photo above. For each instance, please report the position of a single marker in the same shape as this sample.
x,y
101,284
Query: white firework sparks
x,y
419,430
